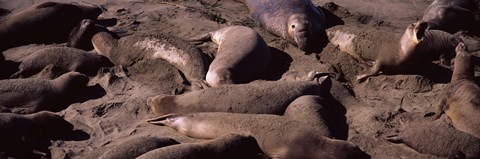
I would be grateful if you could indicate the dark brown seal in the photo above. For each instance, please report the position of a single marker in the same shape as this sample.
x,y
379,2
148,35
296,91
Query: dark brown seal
x,y
297,21
137,146
81,36
33,95
461,99
46,23
451,16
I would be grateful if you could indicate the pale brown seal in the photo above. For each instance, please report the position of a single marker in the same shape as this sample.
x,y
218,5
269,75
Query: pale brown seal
x,y
32,95
461,99
231,146
130,49
46,23
277,136
451,16
65,58
136,146
241,57
297,21
417,45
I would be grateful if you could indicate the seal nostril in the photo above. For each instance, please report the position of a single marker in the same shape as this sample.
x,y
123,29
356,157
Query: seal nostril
x,y
293,26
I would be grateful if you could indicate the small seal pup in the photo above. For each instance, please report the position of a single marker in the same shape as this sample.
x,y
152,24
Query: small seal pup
x,y
439,139
418,44
297,21
277,136
17,130
230,146
260,97
241,57
461,99
130,49
66,58
46,23
137,146
451,16
32,95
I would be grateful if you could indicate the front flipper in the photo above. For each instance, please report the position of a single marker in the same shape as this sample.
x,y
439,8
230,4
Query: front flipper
x,y
199,84
200,38
165,120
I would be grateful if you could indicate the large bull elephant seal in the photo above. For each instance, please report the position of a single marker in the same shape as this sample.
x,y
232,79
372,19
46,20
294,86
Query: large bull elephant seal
x,y
297,21
46,23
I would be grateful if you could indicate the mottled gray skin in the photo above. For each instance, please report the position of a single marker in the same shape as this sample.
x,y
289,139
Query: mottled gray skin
x,y
130,49
440,139
16,129
46,23
65,58
242,55
137,146
297,21
277,136
33,95
451,15
417,45
461,99
231,146
266,97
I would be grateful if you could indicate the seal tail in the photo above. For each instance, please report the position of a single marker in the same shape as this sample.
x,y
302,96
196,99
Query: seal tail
x,y
164,120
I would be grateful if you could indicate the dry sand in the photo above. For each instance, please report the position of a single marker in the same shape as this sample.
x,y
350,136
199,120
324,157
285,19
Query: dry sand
x,y
373,108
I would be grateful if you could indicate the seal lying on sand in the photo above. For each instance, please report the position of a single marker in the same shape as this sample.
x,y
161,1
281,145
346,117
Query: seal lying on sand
x,y
130,49
32,95
418,44
461,99
46,23
438,138
228,146
65,58
241,57
451,16
266,97
297,21
81,36
277,136
15,130
137,146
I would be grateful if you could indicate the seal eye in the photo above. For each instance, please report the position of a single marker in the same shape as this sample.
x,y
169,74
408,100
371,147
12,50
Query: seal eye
x,y
293,26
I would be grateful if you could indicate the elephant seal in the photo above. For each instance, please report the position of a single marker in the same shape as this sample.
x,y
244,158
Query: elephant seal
x,y
130,49
278,137
137,146
297,21
418,44
17,130
66,58
439,139
461,99
46,23
255,98
80,37
241,57
451,16
227,146
32,95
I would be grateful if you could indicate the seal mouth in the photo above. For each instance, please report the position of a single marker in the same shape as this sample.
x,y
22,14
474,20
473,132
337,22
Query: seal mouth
x,y
301,39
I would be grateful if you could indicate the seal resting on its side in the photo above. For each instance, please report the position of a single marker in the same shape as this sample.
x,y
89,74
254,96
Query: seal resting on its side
x,y
137,146
451,15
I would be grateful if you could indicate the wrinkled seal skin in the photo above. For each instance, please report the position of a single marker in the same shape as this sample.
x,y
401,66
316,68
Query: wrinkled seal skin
x,y
461,99
137,146
297,21
17,130
417,45
46,23
439,139
277,136
64,58
266,97
231,146
130,49
33,95
241,57
451,15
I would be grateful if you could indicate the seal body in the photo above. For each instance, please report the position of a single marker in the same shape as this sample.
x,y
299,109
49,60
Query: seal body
x,y
277,136
130,49
32,95
65,58
228,146
417,45
451,16
81,36
241,57
461,99
297,21
137,146
46,23
254,98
